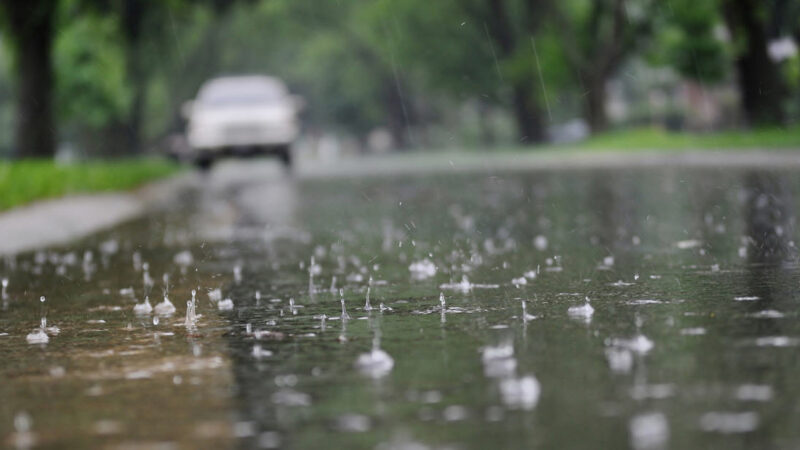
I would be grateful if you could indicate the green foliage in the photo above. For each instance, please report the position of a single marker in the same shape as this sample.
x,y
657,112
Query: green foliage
x,y
690,42
28,180
90,72
351,59
639,139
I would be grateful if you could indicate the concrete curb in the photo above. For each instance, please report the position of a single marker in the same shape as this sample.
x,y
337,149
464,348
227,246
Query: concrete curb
x,y
61,220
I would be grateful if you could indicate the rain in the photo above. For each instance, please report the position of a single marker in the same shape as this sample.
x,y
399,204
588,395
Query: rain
x,y
399,224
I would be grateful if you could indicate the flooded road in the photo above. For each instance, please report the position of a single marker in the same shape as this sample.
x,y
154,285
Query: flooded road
x,y
592,308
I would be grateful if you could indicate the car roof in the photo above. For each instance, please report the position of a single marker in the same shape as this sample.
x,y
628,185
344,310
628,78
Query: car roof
x,y
242,85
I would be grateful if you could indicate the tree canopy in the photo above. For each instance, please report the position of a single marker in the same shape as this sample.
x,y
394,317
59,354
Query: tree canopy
x,y
110,77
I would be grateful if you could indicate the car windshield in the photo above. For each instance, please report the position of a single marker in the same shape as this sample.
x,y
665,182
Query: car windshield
x,y
241,92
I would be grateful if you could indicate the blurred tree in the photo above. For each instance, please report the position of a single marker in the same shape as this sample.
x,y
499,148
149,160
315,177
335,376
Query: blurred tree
x,y
512,41
32,27
689,41
760,84
92,94
597,36
478,50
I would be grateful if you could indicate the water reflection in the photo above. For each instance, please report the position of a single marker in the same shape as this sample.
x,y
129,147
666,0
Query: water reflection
x,y
684,346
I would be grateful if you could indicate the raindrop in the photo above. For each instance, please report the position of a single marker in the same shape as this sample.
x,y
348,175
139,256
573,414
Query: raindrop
x,y
422,269
146,280
39,335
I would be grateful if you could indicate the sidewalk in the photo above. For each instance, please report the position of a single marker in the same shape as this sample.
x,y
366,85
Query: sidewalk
x,y
59,221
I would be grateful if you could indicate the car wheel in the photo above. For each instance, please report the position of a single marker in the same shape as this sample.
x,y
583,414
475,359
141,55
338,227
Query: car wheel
x,y
204,163
285,155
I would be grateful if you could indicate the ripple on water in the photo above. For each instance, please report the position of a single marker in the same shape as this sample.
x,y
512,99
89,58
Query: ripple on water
x,y
649,431
767,314
290,397
520,393
729,422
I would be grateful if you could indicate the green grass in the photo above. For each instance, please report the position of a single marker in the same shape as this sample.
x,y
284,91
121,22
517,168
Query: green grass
x,y
659,139
27,180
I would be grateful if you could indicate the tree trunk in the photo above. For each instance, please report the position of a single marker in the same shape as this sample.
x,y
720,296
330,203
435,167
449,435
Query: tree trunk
x,y
32,26
398,114
487,137
526,111
595,104
133,12
760,85
527,115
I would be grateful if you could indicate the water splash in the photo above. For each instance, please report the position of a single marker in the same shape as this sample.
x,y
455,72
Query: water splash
x,y
183,260
191,313
525,316
143,308
313,267
259,352
367,306
165,308
422,269
39,335
344,316
375,363
583,312
640,344
225,305
465,286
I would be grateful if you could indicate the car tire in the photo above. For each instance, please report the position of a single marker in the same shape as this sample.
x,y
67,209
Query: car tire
x,y
285,155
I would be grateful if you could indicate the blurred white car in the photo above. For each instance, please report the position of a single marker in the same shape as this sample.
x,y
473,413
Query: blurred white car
x,y
243,116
